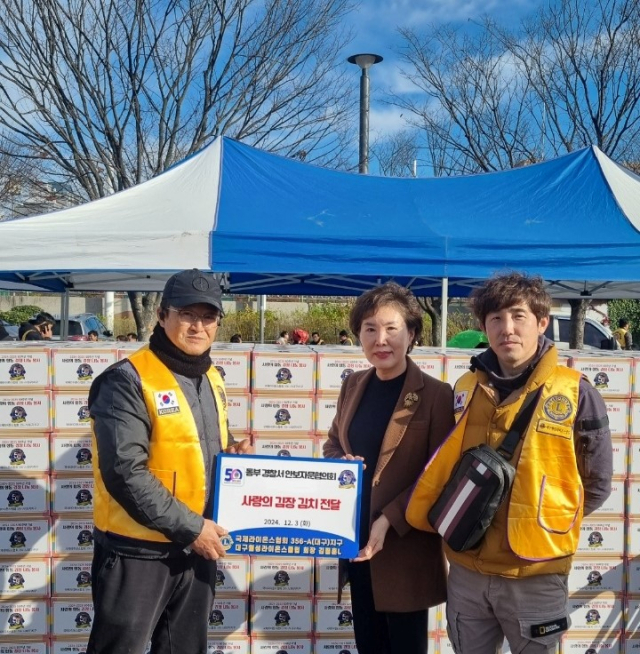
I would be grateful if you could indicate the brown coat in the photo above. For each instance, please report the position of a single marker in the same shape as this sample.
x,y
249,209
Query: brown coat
x,y
409,573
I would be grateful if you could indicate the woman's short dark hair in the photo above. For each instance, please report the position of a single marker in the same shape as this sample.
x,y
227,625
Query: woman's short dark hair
x,y
507,290
388,294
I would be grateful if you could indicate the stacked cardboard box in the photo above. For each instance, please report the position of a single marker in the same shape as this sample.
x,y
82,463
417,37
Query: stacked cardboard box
x,y
285,399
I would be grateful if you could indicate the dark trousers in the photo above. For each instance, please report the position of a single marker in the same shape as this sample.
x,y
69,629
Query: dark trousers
x,y
383,633
165,601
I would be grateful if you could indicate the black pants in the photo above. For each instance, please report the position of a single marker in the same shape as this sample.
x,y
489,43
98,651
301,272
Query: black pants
x,y
165,601
383,633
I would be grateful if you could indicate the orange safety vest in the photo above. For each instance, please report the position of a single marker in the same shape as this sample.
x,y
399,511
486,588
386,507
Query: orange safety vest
x,y
545,506
175,453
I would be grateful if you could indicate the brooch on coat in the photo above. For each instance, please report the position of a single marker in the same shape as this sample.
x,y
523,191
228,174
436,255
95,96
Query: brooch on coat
x,y
410,399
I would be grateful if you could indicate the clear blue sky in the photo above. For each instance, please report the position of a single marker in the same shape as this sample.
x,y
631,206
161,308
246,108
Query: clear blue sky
x,y
375,24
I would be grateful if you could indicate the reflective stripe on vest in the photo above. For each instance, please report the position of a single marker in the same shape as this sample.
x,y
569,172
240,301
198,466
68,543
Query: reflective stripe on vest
x,y
175,453
545,504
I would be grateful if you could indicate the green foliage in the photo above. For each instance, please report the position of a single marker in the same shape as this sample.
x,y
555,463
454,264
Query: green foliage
x,y
122,326
326,318
460,321
20,314
629,309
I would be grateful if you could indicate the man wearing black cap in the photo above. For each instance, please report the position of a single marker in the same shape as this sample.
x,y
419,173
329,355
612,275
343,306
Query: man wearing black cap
x,y
159,418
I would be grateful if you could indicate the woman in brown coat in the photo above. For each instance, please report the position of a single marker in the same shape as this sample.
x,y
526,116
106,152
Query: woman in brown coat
x,y
393,417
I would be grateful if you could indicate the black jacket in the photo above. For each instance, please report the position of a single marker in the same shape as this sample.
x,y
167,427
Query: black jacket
x,y
122,428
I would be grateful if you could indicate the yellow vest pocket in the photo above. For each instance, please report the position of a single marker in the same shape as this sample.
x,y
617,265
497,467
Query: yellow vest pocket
x,y
559,505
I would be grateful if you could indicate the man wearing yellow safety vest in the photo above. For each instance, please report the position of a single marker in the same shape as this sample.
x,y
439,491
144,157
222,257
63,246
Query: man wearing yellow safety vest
x,y
513,584
623,334
159,418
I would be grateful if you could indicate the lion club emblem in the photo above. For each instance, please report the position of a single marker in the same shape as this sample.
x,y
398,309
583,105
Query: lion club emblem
x,y
593,616
558,408
84,372
283,417
282,618
595,539
83,414
16,581
17,372
601,380
84,497
345,619
16,621
17,457
346,479
284,376
83,620
18,414
281,578
18,540
216,618
83,579
594,578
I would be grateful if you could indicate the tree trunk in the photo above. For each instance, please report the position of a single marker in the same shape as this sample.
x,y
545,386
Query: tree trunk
x,y
144,307
576,328
432,306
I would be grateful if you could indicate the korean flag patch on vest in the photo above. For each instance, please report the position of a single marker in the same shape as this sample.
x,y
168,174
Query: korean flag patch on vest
x,y
460,399
166,402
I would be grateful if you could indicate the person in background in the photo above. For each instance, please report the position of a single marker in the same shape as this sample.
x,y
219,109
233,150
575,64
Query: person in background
x,y
315,339
344,338
299,337
284,338
132,337
236,338
121,338
159,418
39,328
623,334
393,417
92,336
514,583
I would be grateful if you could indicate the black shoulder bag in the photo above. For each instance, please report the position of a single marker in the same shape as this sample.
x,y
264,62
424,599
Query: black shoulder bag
x,y
478,485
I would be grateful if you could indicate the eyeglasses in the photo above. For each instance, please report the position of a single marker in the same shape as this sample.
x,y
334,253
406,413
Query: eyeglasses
x,y
187,317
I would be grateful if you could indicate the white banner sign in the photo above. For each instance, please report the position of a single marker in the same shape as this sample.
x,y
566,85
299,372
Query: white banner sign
x,y
289,506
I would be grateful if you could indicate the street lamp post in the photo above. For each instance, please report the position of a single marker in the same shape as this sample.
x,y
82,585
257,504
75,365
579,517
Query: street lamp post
x,y
365,61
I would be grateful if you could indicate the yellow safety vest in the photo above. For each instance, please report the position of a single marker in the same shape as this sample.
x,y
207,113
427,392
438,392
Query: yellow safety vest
x,y
620,334
175,453
544,509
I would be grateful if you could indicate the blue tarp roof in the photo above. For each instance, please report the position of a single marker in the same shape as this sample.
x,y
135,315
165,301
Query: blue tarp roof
x,y
560,218
282,226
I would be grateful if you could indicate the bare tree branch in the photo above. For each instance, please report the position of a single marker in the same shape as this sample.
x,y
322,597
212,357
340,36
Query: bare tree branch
x,y
108,93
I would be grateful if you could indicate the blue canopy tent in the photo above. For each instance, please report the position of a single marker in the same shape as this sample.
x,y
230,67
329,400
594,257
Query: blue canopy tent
x,y
277,225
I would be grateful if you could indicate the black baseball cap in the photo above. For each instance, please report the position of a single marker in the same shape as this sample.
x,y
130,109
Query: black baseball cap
x,y
193,287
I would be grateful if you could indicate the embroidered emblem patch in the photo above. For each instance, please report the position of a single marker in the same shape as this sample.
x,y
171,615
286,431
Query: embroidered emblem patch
x,y
558,408
459,400
166,402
